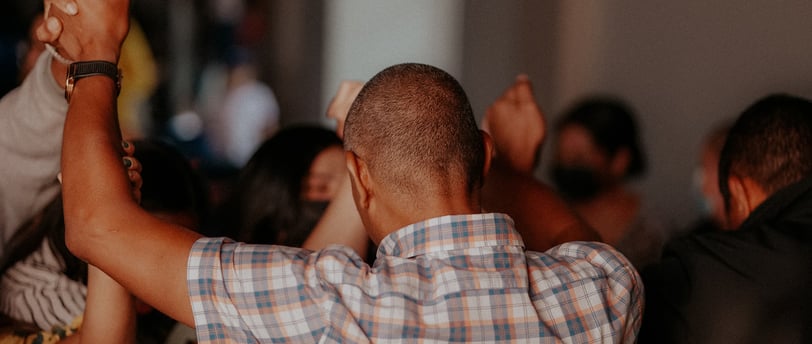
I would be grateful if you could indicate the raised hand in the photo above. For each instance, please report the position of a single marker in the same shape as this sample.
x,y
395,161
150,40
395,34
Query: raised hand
x,y
51,27
517,126
340,105
93,33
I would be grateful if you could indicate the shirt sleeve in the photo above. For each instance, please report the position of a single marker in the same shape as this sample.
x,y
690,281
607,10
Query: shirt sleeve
x,y
592,291
257,292
31,120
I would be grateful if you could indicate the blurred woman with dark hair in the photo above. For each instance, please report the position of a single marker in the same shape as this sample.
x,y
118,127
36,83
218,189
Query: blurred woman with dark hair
x,y
598,152
284,188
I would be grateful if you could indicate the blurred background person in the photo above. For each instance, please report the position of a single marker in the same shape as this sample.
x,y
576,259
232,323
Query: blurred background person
x,y
43,286
597,153
247,115
283,190
706,182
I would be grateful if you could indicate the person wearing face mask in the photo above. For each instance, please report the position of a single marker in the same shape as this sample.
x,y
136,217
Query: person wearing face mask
x,y
597,153
706,183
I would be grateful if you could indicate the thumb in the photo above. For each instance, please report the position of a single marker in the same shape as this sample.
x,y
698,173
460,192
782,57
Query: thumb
x,y
49,30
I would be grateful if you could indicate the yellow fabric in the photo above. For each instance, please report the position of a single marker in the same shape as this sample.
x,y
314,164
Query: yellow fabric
x,y
16,336
139,79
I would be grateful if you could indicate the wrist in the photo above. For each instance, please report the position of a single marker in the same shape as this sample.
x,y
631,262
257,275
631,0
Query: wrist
x,y
100,52
95,68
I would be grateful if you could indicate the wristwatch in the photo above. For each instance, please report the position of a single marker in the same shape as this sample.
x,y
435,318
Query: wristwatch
x,y
83,69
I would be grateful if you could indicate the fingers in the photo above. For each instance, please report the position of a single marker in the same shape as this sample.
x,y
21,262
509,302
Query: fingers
x,y
70,7
51,27
128,147
49,30
133,172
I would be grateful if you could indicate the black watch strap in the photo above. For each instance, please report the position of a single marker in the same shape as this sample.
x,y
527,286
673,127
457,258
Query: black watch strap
x,y
83,69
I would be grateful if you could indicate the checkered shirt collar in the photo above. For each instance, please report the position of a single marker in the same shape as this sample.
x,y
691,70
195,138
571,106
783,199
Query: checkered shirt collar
x,y
451,232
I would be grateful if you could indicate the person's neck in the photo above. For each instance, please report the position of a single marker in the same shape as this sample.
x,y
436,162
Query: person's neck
x,y
407,212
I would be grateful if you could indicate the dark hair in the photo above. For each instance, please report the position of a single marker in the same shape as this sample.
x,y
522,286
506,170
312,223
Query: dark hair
x,y
170,182
771,143
266,206
170,185
611,124
414,127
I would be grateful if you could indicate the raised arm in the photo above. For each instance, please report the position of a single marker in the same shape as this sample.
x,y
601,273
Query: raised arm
x,y
341,223
104,225
517,126
31,121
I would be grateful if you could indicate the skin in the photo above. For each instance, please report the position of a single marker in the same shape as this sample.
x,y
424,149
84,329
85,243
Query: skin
x,y
325,175
517,125
340,104
745,196
615,208
541,216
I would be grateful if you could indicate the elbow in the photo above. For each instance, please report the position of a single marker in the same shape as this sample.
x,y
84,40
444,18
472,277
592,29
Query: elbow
x,y
78,225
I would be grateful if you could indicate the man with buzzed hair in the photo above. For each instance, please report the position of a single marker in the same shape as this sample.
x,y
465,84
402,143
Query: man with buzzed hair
x,y
751,284
413,129
445,272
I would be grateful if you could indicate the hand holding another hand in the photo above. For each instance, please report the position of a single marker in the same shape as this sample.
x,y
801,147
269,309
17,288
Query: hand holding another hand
x,y
94,32
517,126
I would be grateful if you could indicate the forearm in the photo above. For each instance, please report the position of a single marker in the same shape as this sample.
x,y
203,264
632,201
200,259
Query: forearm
x,y
104,225
542,217
109,311
340,224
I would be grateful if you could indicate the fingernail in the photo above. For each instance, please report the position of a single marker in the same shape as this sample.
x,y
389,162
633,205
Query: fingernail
x,y
71,9
53,24
125,144
127,162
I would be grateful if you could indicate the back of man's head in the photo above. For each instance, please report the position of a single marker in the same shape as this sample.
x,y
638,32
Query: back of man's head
x,y
770,143
413,126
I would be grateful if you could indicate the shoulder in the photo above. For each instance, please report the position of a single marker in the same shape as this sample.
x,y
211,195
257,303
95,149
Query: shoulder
x,y
598,255
591,262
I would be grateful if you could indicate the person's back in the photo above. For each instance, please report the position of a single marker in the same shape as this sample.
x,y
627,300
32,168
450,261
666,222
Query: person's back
x,y
750,285
444,271
416,161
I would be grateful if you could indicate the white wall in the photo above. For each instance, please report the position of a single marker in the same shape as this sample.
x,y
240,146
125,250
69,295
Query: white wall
x,y
362,37
684,66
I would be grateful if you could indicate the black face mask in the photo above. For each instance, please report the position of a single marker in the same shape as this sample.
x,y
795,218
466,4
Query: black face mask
x,y
575,183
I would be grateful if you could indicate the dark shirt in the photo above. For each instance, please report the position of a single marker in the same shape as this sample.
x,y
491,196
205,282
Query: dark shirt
x,y
753,285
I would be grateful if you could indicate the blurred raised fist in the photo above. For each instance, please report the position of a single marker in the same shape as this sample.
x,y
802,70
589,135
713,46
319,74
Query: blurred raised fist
x,y
517,126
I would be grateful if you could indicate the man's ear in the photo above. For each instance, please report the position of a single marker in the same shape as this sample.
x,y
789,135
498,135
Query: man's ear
x,y
745,196
359,175
487,143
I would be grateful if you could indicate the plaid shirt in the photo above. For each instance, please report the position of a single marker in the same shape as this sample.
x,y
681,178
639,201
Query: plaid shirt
x,y
462,278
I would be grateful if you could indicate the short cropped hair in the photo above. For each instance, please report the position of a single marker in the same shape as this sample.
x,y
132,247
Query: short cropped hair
x,y
413,126
771,143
